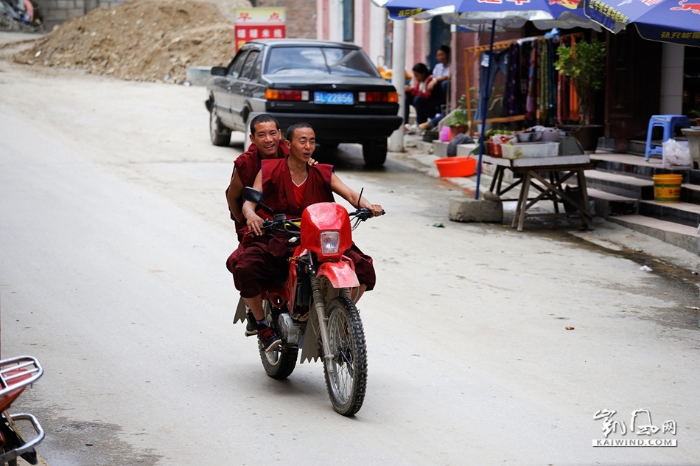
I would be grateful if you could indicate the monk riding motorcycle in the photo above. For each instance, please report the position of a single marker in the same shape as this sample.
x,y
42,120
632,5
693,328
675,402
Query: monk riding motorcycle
x,y
313,310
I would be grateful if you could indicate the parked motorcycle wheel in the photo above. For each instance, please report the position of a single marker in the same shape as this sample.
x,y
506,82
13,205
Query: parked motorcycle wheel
x,y
346,373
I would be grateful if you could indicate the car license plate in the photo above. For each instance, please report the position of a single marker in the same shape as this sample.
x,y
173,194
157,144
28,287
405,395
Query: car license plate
x,y
333,98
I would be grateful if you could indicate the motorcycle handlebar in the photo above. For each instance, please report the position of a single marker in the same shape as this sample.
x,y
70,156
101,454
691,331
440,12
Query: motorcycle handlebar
x,y
363,213
360,214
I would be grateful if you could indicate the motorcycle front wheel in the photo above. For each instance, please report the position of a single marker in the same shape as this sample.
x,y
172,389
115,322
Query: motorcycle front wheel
x,y
346,371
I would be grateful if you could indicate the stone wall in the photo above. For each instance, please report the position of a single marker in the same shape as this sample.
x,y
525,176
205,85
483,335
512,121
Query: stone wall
x,y
57,11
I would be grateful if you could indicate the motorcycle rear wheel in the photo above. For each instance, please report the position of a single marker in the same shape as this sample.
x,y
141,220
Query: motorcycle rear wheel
x,y
346,380
280,363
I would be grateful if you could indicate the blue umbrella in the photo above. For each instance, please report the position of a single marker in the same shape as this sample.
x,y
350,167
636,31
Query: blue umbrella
x,y
545,14
675,21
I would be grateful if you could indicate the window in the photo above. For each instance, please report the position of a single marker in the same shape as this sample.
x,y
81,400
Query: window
x,y
234,69
319,61
249,62
348,20
257,69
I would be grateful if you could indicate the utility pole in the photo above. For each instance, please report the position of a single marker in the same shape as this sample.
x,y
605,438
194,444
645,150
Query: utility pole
x,y
398,79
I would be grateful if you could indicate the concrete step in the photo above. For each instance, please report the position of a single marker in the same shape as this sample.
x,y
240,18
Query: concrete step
x,y
607,204
637,167
683,213
690,193
622,185
673,233
637,147
636,188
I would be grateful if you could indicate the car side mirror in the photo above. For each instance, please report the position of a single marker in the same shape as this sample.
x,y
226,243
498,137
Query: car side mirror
x,y
252,195
218,71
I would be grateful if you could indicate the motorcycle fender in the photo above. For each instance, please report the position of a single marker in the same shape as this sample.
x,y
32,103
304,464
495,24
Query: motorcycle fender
x,y
340,274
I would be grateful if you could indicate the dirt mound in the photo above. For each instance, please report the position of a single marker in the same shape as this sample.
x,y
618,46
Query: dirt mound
x,y
143,40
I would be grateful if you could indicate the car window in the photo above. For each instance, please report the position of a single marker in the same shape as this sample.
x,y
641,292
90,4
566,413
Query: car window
x,y
257,69
234,69
249,62
311,60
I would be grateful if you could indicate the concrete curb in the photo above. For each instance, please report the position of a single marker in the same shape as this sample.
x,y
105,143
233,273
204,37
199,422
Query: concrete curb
x,y
472,210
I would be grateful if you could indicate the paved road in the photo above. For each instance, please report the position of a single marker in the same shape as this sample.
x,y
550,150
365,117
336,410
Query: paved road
x,y
113,236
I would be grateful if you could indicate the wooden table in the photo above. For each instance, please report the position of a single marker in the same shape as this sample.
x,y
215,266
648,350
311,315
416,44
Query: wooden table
x,y
557,169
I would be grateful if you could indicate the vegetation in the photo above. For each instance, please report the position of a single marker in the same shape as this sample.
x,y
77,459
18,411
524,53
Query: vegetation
x,y
459,115
584,64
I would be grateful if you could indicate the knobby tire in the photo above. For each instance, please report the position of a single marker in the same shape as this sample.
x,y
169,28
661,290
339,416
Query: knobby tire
x,y
347,386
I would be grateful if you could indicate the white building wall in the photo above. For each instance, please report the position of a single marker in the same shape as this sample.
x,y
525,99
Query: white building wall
x,y
377,32
335,20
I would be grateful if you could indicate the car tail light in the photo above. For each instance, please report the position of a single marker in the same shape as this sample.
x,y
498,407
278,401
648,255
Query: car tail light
x,y
384,97
279,94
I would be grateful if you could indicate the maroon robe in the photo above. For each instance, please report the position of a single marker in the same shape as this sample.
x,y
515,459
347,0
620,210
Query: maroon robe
x,y
264,259
278,187
248,165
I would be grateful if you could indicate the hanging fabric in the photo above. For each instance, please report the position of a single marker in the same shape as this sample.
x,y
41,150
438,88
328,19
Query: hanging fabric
x,y
531,105
543,103
500,63
533,90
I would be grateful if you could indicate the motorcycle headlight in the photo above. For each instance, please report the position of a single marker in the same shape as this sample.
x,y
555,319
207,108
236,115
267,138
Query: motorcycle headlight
x,y
329,242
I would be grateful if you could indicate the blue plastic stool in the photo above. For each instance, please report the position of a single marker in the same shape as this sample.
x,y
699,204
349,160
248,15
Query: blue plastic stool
x,y
669,124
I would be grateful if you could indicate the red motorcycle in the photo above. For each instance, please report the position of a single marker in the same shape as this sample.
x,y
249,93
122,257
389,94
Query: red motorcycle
x,y
15,375
313,310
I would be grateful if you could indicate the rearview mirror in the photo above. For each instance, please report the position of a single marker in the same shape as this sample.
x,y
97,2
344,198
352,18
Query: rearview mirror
x,y
255,196
252,195
218,71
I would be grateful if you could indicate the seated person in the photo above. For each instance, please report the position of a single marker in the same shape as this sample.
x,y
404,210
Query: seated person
x,y
289,186
420,95
440,86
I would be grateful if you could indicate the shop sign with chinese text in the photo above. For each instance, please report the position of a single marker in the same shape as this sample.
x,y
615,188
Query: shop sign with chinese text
x,y
258,23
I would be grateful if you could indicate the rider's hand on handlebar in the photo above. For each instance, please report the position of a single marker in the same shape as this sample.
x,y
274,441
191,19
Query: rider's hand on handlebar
x,y
255,224
376,210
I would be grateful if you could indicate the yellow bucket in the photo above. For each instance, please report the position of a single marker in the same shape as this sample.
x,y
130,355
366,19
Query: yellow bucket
x,y
667,188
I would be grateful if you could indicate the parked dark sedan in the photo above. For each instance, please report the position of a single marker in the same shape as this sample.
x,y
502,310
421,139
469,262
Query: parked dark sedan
x,y
332,86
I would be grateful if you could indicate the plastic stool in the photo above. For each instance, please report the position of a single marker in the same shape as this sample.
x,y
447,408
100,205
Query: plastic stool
x,y
669,124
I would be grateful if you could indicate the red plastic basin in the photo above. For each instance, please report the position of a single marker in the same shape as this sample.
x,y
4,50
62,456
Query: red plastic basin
x,y
454,167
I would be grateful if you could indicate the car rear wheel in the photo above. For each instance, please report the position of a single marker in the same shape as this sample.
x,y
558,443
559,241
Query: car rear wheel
x,y
218,133
374,152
